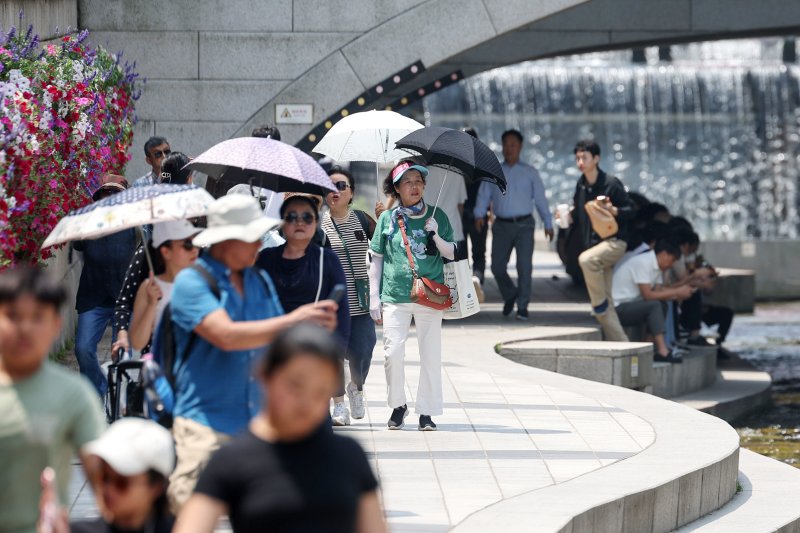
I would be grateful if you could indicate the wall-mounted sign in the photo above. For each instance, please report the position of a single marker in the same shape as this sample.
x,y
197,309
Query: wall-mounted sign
x,y
294,113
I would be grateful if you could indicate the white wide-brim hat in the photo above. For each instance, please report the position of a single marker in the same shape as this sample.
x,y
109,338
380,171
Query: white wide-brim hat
x,y
235,217
133,446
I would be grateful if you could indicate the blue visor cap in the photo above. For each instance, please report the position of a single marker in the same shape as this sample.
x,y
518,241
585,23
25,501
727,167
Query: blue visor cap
x,y
400,170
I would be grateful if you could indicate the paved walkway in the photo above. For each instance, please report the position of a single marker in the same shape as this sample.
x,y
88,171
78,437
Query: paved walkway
x,y
499,437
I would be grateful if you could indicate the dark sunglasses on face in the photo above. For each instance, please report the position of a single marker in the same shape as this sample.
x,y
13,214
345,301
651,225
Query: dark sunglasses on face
x,y
186,244
158,154
342,185
293,218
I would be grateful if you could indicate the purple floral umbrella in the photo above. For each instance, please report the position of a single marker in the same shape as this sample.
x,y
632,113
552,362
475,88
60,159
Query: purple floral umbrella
x,y
261,162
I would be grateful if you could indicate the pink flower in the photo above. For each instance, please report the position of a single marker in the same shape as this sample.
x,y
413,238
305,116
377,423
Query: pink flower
x,y
53,184
51,50
83,101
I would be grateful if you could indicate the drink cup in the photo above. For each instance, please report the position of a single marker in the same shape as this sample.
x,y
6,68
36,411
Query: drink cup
x,y
563,215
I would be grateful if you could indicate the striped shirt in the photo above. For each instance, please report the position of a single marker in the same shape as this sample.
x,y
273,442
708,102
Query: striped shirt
x,y
357,243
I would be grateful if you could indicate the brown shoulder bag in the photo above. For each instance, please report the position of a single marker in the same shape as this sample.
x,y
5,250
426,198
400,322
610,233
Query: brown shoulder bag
x,y
425,291
603,222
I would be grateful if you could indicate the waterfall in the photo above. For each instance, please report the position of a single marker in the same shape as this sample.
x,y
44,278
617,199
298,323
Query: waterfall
x,y
714,138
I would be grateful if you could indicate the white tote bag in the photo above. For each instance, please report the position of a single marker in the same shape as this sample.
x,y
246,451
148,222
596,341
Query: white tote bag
x,y
458,276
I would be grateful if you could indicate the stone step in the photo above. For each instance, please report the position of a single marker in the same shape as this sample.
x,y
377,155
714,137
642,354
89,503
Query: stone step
x,y
698,371
767,500
736,392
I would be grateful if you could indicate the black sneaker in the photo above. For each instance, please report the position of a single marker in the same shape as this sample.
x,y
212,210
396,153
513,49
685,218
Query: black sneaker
x,y
522,315
698,341
509,306
669,358
397,420
426,423
723,354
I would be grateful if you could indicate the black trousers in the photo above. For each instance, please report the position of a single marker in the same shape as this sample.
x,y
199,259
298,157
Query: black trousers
x,y
477,241
693,313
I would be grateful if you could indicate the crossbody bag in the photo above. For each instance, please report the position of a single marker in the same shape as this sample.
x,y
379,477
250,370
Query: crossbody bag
x,y
424,291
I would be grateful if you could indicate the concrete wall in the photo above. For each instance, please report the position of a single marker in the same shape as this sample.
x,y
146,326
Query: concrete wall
x,y
776,263
45,15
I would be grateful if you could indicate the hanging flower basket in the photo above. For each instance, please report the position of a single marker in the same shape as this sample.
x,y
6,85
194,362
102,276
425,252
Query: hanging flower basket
x,y
66,119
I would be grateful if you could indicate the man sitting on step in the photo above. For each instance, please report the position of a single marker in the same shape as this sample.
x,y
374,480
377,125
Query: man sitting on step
x,y
640,298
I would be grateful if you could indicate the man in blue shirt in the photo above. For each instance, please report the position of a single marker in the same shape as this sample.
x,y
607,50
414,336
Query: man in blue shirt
x,y
513,226
222,337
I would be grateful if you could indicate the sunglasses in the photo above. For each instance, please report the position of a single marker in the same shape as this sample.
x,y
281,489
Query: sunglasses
x,y
158,154
342,186
294,218
186,244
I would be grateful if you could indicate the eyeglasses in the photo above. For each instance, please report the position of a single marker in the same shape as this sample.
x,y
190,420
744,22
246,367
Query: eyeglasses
x,y
342,185
158,154
186,244
294,218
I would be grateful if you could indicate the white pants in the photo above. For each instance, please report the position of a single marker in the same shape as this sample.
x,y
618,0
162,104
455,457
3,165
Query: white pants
x,y
396,326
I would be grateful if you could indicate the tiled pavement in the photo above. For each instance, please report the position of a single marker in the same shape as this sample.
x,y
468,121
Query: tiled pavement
x,y
499,437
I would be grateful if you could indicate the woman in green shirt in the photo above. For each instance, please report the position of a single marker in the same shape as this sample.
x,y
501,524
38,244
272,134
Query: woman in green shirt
x,y
390,290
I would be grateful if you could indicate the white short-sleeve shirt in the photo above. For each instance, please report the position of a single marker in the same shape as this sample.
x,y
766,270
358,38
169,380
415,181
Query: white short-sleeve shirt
x,y
641,269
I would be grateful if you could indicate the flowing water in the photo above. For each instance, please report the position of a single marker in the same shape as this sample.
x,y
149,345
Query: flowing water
x,y
770,340
713,134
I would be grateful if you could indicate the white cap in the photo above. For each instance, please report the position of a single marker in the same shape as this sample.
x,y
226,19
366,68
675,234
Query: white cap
x,y
133,446
174,230
235,217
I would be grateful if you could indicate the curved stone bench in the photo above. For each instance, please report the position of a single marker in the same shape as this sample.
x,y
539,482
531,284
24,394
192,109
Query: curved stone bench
x,y
626,364
698,371
688,471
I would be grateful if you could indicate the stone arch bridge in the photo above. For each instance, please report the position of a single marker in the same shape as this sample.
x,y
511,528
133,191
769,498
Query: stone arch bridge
x,y
217,68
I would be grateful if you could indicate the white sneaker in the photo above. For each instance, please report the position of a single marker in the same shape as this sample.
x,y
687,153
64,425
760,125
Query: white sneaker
x,y
476,283
341,416
356,401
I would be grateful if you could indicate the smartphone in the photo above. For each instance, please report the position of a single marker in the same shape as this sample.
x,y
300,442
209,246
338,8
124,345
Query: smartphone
x,y
338,292
602,198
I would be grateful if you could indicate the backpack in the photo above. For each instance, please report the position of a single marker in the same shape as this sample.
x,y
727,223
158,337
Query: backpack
x,y
167,346
364,219
165,355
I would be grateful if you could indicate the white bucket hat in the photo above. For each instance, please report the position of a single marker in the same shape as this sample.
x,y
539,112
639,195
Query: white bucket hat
x,y
235,217
174,230
133,446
